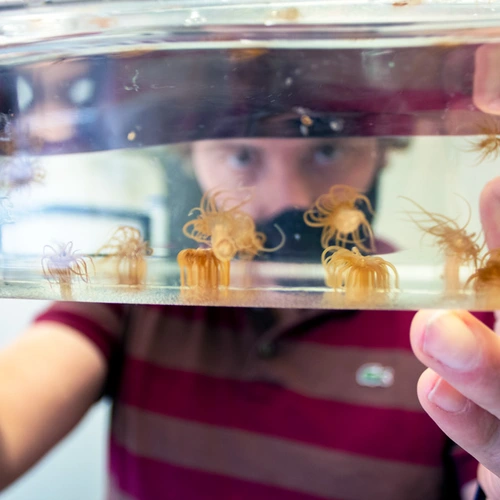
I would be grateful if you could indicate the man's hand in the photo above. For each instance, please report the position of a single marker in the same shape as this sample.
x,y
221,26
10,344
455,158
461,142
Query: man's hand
x,y
461,388
486,88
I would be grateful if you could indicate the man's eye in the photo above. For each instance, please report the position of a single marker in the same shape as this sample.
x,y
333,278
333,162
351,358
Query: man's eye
x,y
325,154
81,91
242,158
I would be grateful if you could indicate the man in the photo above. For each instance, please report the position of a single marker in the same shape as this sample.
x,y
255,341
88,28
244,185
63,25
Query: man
x,y
239,403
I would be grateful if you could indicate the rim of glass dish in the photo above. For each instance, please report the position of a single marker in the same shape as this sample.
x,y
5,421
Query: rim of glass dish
x,y
433,21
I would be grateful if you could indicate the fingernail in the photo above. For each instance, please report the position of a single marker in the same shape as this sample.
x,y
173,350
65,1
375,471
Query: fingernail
x,y
448,340
492,104
447,398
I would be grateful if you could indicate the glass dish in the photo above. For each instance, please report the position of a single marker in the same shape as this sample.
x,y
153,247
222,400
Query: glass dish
x,y
306,154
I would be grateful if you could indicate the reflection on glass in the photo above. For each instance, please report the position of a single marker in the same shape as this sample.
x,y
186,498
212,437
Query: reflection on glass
x,y
306,176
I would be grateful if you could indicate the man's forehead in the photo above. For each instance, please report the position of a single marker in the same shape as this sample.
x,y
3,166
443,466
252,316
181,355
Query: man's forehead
x,y
175,96
279,143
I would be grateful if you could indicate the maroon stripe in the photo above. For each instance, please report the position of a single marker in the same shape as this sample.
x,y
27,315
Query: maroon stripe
x,y
235,318
271,409
373,329
114,493
147,479
229,317
465,465
118,309
487,317
102,338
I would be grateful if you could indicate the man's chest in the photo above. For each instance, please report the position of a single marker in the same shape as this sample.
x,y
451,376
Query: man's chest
x,y
291,410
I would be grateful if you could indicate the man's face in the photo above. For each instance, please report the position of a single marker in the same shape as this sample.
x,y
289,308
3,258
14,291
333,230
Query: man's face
x,y
51,98
285,174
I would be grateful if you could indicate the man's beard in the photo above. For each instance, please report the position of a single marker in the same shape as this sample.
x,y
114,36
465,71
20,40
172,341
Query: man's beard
x,y
302,243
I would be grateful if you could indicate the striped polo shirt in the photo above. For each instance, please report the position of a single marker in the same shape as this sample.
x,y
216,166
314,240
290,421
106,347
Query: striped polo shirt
x,y
232,403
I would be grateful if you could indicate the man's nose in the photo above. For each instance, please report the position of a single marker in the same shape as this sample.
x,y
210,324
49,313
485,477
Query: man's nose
x,y
52,122
285,190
